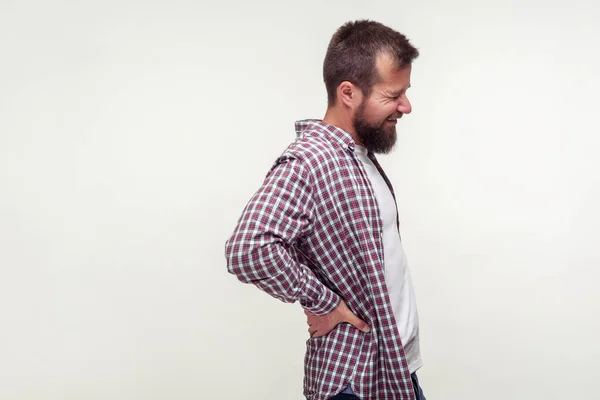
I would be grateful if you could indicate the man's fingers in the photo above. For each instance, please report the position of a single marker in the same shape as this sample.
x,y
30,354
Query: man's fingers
x,y
362,325
317,333
327,323
351,318
358,323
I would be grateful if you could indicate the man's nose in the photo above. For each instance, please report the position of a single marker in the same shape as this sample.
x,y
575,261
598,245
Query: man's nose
x,y
405,107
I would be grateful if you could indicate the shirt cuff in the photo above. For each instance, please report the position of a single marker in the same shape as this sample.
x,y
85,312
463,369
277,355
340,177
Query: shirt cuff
x,y
325,304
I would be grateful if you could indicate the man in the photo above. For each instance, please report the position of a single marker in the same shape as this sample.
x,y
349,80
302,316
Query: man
x,y
323,228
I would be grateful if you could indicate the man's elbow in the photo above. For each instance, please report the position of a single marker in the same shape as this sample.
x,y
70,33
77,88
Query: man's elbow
x,y
247,263
259,264
236,265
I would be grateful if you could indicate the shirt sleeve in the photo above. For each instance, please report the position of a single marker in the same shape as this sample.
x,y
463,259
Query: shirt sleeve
x,y
260,251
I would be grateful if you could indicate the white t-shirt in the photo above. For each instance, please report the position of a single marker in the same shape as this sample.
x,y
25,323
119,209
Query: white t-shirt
x,y
397,275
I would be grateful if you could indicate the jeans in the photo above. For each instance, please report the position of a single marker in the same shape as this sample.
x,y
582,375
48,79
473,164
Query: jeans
x,y
415,382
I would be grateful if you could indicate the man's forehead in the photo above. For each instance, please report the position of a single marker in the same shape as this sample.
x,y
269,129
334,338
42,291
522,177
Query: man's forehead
x,y
394,79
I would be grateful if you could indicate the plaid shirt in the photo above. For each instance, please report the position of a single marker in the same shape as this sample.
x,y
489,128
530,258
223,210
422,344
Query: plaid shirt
x,y
312,233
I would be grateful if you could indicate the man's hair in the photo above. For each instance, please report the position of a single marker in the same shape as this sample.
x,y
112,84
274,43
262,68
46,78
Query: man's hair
x,y
352,55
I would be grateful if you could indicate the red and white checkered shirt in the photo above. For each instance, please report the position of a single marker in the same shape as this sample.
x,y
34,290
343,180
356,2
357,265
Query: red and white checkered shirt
x,y
312,233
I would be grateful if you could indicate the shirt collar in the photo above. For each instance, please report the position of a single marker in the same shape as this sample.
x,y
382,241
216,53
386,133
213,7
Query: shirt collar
x,y
333,133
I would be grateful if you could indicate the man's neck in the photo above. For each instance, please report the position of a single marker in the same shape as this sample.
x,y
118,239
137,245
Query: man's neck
x,y
340,120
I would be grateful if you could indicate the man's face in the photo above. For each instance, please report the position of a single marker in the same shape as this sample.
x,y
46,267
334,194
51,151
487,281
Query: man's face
x,y
376,117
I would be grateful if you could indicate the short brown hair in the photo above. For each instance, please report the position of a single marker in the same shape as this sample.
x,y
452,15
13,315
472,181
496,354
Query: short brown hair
x,y
352,55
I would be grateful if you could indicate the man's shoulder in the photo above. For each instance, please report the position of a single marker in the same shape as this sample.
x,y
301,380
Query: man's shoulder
x,y
313,149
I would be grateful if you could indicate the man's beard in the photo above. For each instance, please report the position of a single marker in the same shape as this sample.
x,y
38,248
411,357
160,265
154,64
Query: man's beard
x,y
376,138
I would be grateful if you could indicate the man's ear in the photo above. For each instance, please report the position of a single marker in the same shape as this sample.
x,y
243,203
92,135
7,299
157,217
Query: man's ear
x,y
349,95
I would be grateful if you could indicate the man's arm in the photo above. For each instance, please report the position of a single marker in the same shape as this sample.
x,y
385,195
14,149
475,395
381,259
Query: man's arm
x,y
279,213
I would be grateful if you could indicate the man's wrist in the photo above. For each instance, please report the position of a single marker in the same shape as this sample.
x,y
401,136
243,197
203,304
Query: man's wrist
x,y
326,304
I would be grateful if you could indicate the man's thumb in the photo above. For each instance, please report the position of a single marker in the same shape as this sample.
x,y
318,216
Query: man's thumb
x,y
360,324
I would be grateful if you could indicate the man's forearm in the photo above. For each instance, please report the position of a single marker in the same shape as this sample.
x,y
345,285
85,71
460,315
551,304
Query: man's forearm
x,y
272,269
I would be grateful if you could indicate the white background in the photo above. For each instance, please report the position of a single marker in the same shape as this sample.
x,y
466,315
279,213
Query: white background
x,y
133,133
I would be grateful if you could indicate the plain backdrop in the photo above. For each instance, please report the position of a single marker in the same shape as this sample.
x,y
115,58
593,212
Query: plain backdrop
x,y
133,133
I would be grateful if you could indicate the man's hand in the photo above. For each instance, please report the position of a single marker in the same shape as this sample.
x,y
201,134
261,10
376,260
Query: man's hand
x,y
322,325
